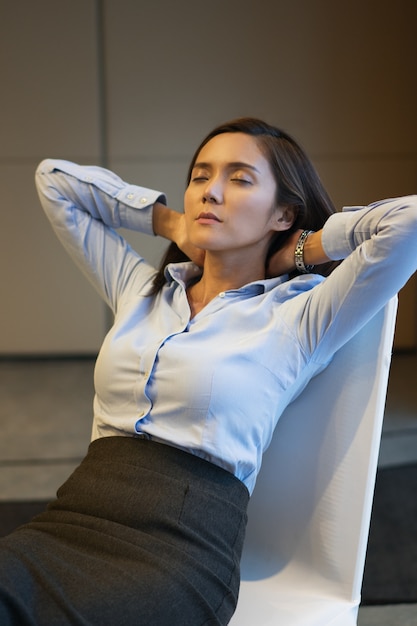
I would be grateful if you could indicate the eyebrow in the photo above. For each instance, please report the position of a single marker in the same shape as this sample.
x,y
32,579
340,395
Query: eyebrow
x,y
232,165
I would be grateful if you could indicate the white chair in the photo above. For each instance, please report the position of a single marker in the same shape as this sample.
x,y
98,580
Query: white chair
x,y
309,515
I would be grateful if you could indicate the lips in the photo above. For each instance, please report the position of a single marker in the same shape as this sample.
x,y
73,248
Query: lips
x,y
207,218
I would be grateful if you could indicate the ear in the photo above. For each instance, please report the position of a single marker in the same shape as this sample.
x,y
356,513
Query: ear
x,y
283,217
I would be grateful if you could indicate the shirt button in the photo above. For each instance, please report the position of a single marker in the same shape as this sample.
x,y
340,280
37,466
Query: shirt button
x,y
129,196
222,294
143,200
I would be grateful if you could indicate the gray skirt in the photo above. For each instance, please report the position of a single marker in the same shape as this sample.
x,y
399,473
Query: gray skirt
x,y
141,533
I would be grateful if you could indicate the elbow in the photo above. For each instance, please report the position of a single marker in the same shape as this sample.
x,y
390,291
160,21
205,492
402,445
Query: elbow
x,y
411,207
44,167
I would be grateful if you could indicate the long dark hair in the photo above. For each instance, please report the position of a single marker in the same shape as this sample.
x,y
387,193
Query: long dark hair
x,y
298,186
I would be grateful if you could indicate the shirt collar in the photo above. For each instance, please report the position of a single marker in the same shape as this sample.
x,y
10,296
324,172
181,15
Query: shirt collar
x,y
184,273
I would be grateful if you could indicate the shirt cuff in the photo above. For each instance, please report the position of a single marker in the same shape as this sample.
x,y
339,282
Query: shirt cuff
x,y
142,200
337,238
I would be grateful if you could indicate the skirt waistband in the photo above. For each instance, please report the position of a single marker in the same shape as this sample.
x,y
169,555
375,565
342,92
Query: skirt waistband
x,y
173,462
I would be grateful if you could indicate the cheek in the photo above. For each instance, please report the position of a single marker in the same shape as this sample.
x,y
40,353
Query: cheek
x,y
188,210
188,201
261,208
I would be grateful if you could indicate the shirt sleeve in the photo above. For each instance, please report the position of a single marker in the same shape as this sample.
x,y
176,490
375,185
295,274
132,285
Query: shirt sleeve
x,y
379,246
85,205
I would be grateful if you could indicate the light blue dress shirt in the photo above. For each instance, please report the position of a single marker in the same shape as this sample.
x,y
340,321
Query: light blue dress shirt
x,y
215,385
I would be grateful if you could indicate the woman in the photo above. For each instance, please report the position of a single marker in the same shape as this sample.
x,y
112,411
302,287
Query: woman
x,y
202,359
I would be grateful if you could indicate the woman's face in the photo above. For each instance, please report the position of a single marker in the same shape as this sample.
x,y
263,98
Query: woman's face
x,y
230,202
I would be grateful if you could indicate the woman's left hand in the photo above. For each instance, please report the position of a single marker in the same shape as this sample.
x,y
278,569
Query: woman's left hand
x,y
282,261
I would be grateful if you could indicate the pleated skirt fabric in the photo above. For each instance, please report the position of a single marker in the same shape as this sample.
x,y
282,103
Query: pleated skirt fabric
x,y
140,534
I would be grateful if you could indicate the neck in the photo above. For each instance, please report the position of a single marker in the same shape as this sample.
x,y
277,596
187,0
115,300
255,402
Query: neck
x,y
218,276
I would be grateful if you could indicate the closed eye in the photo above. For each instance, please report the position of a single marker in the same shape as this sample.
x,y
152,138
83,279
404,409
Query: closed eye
x,y
199,178
241,180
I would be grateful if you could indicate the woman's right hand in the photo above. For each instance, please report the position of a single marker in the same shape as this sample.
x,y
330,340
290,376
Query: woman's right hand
x,y
170,224
196,255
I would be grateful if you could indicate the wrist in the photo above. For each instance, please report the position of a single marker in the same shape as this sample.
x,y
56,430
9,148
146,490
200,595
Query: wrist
x,y
165,221
299,258
313,250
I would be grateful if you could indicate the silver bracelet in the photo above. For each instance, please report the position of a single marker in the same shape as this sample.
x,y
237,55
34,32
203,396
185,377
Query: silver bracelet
x,y
299,253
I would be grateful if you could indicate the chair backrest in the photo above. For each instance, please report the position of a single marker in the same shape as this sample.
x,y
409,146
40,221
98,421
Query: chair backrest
x,y
309,515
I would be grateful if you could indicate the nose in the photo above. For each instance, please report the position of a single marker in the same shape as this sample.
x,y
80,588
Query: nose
x,y
212,192
209,198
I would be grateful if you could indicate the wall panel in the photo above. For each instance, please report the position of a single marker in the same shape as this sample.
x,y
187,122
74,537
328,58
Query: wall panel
x,y
50,105
47,306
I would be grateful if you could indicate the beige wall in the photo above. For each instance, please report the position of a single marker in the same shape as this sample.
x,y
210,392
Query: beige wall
x,y
49,103
136,84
